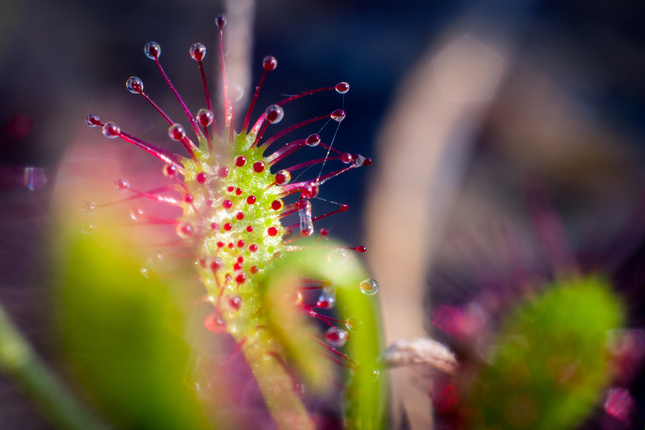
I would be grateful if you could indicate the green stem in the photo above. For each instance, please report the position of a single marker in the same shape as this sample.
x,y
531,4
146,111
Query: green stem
x,y
20,362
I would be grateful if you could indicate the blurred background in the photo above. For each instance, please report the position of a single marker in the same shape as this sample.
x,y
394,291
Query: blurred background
x,y
461,104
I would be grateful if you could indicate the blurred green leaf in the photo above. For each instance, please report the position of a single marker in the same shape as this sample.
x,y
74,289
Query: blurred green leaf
x,y
123,336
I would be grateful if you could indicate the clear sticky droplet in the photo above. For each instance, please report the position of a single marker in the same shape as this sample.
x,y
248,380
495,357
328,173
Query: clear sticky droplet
x,y
327,298
134,84
342,87
304,212
220,21
34,177
338,115
352,324
205,117
359,160
89,208
111,130
92,120
137,214
312,140
338,256
274,114
239,94
88,228
336,337
369,287
176,132
152,265
198,51
152,50
269,63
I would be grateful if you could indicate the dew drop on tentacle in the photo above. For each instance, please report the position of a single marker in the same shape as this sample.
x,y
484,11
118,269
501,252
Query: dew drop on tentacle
x,y
176,132
369,287
304,212
111,130
342,87
274,114
220,21
336,337
269,63
312,140
152,50
205,117
134,84
338,115
197,51
92,120
327,298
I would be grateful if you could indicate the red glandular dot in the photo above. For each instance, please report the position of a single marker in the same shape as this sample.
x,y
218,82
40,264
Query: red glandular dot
x,y
272,231
231,245
169,170
238,191
344,207
227,204
228,226
230,189
282,177
240,243
121,184
361,248
201,177
239,278
276,205
235,302
215,323
259,166
253,247
240,259
269,63
239,215
188,198
216,264
237,266
346,158
214,226
220,244
184,230
249,229
324,232
223,172
310,191
251,200
253,270
240,161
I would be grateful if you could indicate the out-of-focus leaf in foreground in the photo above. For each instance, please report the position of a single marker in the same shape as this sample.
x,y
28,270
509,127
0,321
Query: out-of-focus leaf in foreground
x,y
123,336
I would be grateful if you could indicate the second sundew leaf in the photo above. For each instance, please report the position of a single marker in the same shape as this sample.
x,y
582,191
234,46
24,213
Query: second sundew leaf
x,y
551,363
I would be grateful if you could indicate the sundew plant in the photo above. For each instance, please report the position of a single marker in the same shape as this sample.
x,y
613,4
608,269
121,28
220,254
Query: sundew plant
x,y
293,316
